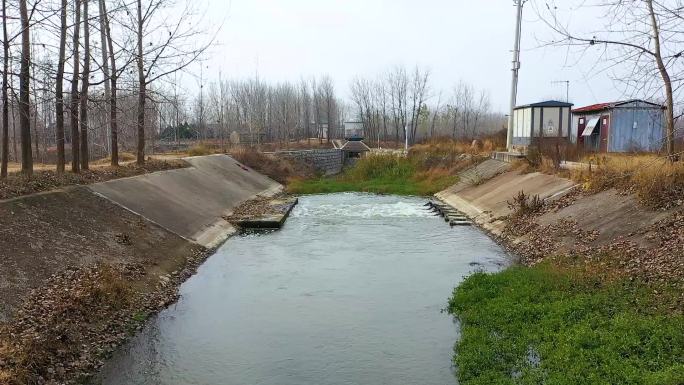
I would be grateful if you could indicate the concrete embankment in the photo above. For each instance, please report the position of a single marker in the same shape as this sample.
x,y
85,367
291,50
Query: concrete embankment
x,y
591,221
156,226
191,202
483,191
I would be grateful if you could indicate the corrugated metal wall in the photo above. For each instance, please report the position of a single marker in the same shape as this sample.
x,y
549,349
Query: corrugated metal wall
x,y
636,127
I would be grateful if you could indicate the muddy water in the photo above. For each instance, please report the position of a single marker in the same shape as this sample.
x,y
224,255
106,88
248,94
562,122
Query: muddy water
x,y
348,292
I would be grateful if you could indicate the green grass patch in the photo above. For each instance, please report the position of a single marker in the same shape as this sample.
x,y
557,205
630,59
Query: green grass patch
x,y
383,174
540,326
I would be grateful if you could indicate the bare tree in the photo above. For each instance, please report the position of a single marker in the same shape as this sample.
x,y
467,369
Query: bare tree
x,y
59,90
398,83
105,64
418,89
24,92
163,47
85,84
644,34
73,110
112,75
5,99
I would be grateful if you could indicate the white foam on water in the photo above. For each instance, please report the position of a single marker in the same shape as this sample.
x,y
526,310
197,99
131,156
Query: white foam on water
x,y
366,206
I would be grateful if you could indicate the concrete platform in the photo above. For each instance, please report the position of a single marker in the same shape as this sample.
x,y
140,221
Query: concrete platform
x,y
270,221
191,202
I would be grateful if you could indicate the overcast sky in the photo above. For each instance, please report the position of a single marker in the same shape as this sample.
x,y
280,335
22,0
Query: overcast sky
x,y
454,39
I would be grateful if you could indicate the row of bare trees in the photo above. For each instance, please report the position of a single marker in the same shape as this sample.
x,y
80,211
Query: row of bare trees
x,y
139,44
397,104
401,105
263,112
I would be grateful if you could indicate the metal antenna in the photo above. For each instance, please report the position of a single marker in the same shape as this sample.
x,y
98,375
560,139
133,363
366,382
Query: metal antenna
x,y
567,88
516,69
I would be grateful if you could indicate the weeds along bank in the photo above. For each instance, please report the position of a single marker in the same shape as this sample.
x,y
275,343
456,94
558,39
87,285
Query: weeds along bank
x,y
426,170
598,295
653,179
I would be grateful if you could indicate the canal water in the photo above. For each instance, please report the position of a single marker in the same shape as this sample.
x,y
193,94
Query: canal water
x,y
350,291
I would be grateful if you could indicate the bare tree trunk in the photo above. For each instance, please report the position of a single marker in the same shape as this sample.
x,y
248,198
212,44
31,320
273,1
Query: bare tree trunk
x,y
105,66
24,96
15,151
59,90
75,147
141,89
113,76
669,112
36,133
5,99
84,87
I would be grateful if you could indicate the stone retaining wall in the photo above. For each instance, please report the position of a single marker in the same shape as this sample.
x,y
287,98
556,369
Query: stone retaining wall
x,y
328,162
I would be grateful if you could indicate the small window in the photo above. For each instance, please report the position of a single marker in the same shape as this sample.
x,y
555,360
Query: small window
x,y
605,121
581,120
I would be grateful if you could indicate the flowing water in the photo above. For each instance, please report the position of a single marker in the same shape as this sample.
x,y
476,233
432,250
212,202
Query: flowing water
x,y
348,292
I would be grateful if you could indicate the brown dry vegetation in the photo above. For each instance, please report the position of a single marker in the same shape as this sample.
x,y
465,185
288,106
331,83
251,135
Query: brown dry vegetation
x,y
657,182
652,255
67,302
17,185
66,328
278,169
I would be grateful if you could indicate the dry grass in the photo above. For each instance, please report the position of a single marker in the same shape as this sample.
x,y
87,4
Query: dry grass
x,y
34,348
199,150
656,182
124,157
523,204
278,169
446,154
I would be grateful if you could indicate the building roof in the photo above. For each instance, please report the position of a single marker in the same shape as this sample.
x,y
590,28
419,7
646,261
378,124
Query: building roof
x,y
355,146
609,105
548,103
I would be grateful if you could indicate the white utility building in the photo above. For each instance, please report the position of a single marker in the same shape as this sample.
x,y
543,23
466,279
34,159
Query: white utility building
x,y
549,119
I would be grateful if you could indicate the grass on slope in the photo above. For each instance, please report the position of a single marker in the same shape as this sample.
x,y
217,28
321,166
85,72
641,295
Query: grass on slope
x,y
384,174
540,326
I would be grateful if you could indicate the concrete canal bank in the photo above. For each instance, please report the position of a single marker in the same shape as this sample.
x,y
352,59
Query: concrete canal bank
x,y
82,266
485,193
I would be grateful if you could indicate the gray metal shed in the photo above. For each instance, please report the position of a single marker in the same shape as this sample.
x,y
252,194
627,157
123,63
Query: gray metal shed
x,y
625,126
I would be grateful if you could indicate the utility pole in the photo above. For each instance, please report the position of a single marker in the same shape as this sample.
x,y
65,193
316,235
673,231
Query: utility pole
x,y
515,70
567,88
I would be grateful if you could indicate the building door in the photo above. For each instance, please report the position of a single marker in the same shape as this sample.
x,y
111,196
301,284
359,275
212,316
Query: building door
x,y
581,125
605,133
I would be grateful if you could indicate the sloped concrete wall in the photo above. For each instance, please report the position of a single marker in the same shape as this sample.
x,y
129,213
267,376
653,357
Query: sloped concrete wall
x,y
485,200
191,201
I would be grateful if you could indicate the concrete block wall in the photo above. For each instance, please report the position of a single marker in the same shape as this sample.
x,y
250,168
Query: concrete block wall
x,y
328,162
